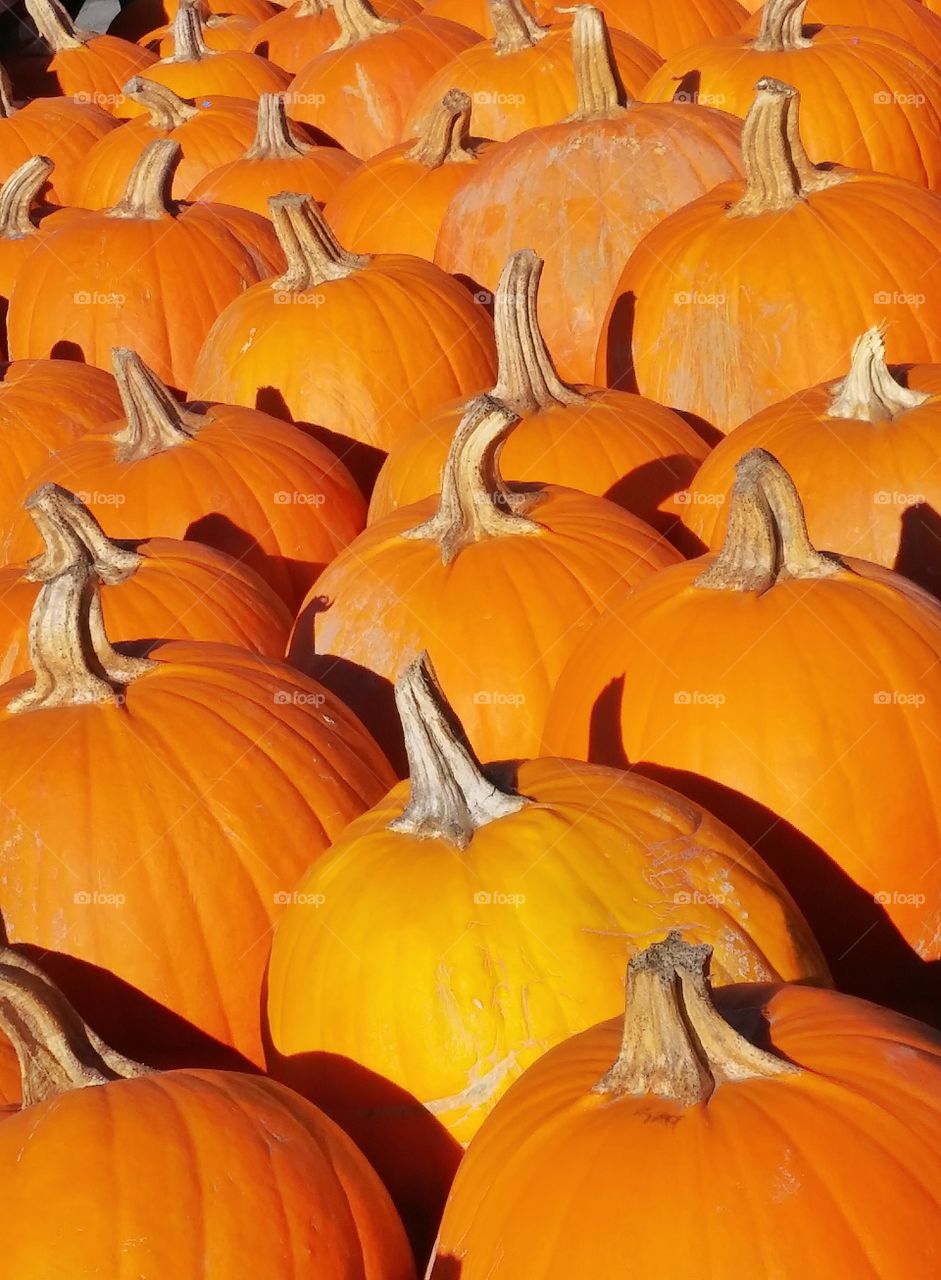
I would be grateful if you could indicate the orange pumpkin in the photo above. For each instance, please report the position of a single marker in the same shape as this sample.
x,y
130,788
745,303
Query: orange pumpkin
x,y
580,206
469,13
306,28
498,583
665,28
291,1196
157,919
610,443
304,346
705,320
360,89
276,161
791,1096
130,269
235,479
909,20
138,17
221,33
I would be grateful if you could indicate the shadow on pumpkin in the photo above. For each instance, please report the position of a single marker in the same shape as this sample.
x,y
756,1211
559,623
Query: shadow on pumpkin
x,y
646,487
446,1268
619,365
290,579
919,553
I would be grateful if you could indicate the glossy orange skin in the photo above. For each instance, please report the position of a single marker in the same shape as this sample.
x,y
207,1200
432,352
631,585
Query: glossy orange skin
x,y
222,34
236,74
362,358
247,184
219,134
202,865
95,73
513,92
361,95
910,20
499,621
290,39
748,345
317,1208
748,1170
141,16
850,79
14,250
103,281
64,130
248,485
665,28
584,205
469,13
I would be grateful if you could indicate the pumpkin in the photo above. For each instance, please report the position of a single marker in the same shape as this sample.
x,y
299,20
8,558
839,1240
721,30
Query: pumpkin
x,y
139,17
703,319
584,204
60,128
294,35
665,28
234,479
276,161
470,13
211,131
745,724
360,347
291,1197
909,20
157,919
609,443
744,1110
523,77
396,202
360,89
497,582
868,100
221,33
168,589
131,269
844,445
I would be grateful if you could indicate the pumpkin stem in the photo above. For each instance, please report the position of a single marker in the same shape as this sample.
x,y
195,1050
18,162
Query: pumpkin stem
x,y
514,27
446,139
187,32
527,379
56,1051
600,91
450,797
359,21
767,538
676,1044
778,171
313,253
869,393
18,194
309,8
167,110
7,108
475,502
273,138
155,421
782,27
55,25
68,529
147,193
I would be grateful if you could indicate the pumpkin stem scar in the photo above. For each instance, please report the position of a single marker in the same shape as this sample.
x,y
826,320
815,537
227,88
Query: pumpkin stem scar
x,y
155,421
869,393
17,195
55,25
69,530
450,796
600,92
446,135
55,1049
147,194
782,27
675,1043
514,27
273,138
314,255
359,21
187,33
167,110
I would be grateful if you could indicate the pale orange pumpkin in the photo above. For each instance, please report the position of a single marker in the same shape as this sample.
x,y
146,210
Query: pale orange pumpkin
x,y
305,28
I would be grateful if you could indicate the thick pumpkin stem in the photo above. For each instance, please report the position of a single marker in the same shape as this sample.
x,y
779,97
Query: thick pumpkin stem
x,y
446,139
167,110
313,253
147,193
450,796
155,421
187,32
56,1051
676,1045
69,530
18,194
767,538
475,502
309,8
527,379
778,171
869,393
514,27
600,92
55,25
273,139
359,21
7,108
782,27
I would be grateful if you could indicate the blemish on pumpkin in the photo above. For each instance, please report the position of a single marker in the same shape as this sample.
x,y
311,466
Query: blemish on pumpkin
x,y
249,341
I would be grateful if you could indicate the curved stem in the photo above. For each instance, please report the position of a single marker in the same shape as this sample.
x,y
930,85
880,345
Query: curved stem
x,y
167,110
7,108
475,503
514,27
55,25
767,538
676,1045
155,421
313,253
600,92
273,139
359,21
187,32
56,1050
69,530
446,139
147,193
450,797
527,379
18,194
869,393
782,27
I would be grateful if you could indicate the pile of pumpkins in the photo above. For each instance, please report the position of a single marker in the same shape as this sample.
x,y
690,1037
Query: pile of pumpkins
x,y
470,636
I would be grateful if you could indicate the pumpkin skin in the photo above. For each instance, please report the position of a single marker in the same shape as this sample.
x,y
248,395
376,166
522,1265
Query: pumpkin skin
x,y
909,20
582,205
469,13
667,29
306,28
741,353
849,79
554,1150
222,33
305,346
